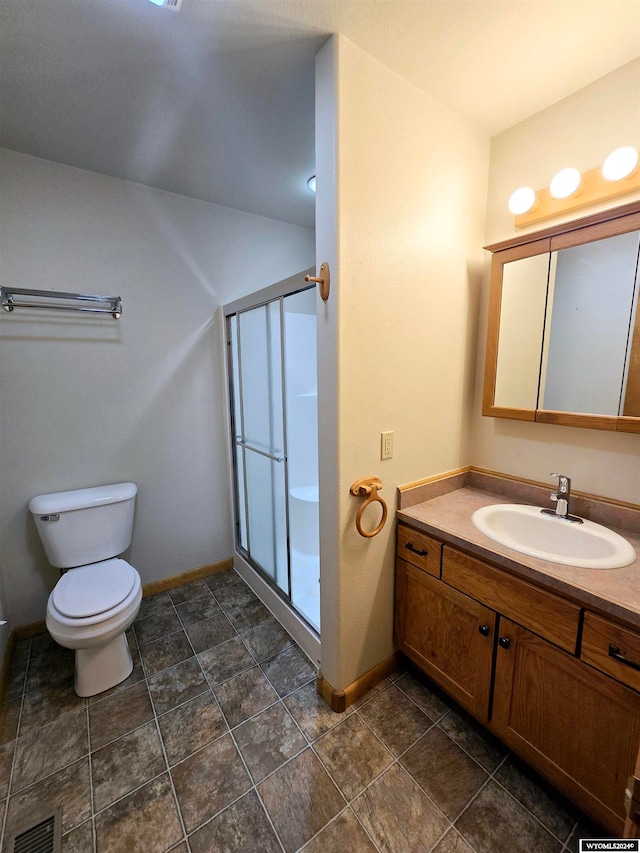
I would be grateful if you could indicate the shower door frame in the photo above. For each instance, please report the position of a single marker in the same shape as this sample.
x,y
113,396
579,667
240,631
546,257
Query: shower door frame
x,y
276,292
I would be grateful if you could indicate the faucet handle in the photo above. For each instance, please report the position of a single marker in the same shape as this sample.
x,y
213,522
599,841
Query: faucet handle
x,y
564,485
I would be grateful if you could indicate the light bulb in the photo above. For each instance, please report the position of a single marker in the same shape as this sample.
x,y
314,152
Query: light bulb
x,y
565,183
620,163
522,200
311,183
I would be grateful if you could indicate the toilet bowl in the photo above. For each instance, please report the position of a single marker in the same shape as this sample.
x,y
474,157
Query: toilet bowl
x,y
103,658
93,604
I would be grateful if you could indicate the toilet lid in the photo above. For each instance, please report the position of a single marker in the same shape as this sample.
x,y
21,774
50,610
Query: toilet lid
x,y
90,590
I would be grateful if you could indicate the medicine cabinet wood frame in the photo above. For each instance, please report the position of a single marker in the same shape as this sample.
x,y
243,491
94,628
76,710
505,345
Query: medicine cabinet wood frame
x,y
598,226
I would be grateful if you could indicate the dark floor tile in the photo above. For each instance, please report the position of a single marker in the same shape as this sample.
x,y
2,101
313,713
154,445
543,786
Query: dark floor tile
x,y
377,688
42,644
220,579
473,738
7,751
235,595
188,591
191,726
452,842
176,685
51,667
427,696
244,695
268,740
153,627
69,788
267,639
288,670
21,650
165,652
137,675
130,635
398,815
243,827
9,718
126,764
209,781
444,772
46,750
311,712
353,755
15,682
79,840
395,719
48,704
585,828
246,616
154,604
551,808
118,714
226,660
196,611
211,632
342,835
496,823
120,829
300,799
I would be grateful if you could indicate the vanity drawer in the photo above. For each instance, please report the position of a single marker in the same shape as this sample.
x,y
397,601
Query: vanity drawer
x,y
419,549
540,611
603,640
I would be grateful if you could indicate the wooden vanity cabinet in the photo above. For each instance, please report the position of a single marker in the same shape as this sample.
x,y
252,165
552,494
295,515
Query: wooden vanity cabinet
x,y
527,674
448,634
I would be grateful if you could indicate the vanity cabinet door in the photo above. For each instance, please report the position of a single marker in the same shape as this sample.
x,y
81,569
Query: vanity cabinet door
x,y
448,634
579,728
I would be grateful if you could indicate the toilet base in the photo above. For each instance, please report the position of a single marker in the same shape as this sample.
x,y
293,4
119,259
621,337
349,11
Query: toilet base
x,y
102,667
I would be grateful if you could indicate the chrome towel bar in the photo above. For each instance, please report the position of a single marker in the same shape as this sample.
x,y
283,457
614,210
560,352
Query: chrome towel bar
x,y
9,301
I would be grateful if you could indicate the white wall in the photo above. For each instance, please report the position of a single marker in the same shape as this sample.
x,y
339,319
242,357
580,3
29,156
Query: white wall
x,y
580,131
90,401
398,334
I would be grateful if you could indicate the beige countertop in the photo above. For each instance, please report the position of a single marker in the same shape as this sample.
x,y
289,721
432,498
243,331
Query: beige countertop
x,y
448,518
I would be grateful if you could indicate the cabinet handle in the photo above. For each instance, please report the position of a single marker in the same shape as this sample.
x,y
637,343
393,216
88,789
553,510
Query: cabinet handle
x,y
614,652
504,642
484,630
411,547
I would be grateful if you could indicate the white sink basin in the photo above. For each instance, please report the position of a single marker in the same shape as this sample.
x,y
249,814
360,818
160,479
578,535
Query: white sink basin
x,y
526,529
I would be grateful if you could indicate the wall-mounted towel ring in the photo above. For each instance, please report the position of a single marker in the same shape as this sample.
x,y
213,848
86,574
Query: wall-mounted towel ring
x,y
369,486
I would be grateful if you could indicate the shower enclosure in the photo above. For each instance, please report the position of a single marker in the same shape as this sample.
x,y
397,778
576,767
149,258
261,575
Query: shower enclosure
x,y
274,427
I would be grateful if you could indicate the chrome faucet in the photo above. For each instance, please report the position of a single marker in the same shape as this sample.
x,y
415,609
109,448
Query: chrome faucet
x,y
562,496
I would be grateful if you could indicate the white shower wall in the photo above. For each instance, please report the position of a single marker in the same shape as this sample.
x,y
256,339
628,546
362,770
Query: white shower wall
x,y
302,452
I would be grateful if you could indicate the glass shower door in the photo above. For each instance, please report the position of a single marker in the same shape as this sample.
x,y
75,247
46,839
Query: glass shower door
x,y
259,439
273,369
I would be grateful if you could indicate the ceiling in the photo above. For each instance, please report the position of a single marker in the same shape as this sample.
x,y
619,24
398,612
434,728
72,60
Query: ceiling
x,y
216,101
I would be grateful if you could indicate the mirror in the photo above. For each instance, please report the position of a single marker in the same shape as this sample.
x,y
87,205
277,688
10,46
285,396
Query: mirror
x,y
564,326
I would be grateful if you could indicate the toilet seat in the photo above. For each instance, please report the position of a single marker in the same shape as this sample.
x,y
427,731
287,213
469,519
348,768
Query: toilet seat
x,y
93,589
80,596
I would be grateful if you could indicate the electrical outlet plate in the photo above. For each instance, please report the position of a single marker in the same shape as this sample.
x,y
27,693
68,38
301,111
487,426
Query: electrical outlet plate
x,y
386,445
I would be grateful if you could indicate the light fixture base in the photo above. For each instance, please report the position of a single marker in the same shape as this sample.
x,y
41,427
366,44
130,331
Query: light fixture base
x,y
595,189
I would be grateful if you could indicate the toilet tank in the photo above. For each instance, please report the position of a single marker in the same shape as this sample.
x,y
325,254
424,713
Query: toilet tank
x,y
85,525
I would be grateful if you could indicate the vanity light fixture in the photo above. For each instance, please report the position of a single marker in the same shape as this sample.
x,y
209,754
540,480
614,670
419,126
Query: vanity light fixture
x,y
311,183
174,5
523,200
567,182
620,164
569,190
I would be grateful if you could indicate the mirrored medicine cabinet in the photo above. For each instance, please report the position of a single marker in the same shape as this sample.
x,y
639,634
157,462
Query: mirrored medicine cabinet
x,y
563,340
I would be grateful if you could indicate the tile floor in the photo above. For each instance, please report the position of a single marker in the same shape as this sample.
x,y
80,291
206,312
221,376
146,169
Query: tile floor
x,y
218,742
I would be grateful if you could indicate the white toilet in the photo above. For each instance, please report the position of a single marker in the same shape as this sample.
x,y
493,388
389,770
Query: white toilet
x,y
93,603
